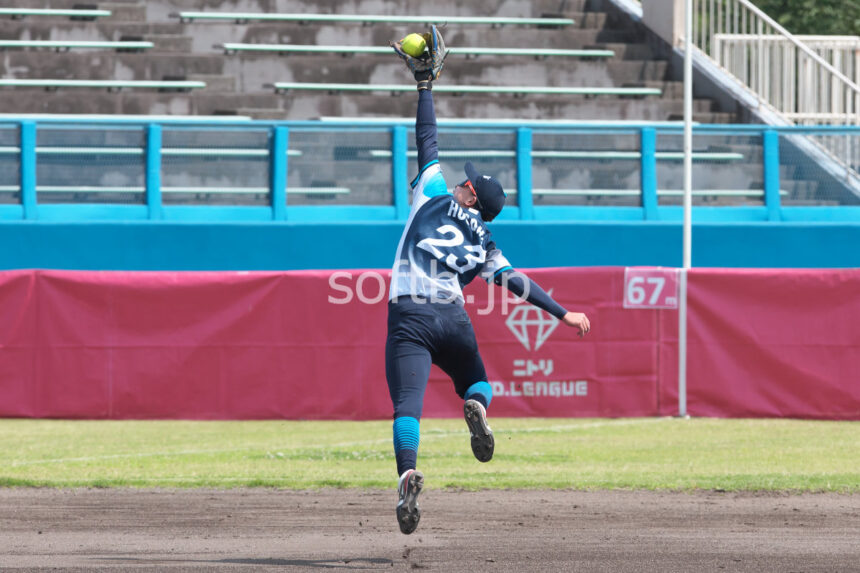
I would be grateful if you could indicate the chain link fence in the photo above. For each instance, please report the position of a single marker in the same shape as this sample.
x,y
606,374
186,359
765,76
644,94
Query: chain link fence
x,y
215,166
10,165
90,165
339,167
586,168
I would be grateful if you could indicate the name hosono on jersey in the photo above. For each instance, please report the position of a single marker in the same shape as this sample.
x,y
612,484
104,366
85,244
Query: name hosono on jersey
x,y
443,246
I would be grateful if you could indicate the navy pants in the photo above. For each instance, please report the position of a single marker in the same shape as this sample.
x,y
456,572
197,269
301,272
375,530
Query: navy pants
x,y
423,334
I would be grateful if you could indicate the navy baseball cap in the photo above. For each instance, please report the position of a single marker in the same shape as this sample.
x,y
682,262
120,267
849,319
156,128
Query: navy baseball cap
x,y
491,196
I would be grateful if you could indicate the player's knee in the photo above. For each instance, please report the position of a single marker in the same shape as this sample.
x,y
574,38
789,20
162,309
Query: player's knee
x,y
480,391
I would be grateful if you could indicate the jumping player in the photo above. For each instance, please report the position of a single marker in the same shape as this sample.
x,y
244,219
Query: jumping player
x,y
444,246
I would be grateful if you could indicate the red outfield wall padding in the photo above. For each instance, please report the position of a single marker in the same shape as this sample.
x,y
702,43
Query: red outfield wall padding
x,y
774,343
233,345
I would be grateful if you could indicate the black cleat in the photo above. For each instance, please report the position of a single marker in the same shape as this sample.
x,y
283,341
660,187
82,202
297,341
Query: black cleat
x,y
408,515
482,436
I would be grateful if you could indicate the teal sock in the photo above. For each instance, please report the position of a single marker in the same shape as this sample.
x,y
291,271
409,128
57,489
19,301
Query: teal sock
x,y
480,392
406,438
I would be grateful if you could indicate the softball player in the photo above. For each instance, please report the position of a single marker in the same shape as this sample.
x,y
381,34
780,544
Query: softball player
x,y
445,245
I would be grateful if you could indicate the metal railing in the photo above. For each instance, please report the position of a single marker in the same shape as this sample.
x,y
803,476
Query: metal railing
x,y
354,170
796,85
842,52
807,80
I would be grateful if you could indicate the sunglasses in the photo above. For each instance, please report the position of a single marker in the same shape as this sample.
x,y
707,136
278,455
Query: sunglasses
x,y
468,185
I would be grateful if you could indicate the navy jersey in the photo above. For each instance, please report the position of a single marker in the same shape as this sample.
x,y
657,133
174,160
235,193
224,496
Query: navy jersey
x,y
444,246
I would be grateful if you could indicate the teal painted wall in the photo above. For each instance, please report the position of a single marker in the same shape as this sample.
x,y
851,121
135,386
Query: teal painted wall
x,y
142,245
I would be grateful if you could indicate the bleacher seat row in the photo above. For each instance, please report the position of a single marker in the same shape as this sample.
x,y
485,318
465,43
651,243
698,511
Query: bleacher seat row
x,y
76,44
468,51
167,54
72,13
307,18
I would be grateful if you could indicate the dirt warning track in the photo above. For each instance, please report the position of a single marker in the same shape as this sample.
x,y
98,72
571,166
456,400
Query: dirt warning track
x,y
522,531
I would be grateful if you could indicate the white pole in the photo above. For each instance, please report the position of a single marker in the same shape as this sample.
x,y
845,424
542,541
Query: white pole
x,y
688,203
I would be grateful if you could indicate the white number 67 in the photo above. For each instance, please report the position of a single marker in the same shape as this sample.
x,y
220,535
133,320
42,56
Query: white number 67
x,y
636,292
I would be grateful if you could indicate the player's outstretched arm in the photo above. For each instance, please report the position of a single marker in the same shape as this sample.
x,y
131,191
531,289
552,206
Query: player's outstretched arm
x,y
526,288
425,128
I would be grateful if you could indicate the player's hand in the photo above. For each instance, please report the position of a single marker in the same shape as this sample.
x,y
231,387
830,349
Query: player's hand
x,y
579,321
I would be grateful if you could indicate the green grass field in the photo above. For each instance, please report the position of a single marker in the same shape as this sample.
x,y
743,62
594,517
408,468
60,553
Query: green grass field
x,y
642,453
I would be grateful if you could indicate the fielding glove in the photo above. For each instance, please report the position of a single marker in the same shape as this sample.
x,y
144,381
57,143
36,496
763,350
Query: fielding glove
x,y
427,66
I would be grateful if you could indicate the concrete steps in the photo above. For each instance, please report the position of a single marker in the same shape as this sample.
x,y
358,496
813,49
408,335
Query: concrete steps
x,y
276,114
124,11
170,43
107,65
706,117
216,82
236,83
624,51
99,30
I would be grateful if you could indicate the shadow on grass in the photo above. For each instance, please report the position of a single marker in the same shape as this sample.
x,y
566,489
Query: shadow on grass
x,y
346,563
358,563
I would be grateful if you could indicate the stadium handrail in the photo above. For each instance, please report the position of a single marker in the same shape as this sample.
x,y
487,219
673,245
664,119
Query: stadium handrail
x,y
468,51
382,123
188,16
660,192
213,190
77,44
586,155
90,189
170,151
378,153
504,122
109,84
71,12
589,125
251,190
335,190
109,118
448,88
595,192
639,138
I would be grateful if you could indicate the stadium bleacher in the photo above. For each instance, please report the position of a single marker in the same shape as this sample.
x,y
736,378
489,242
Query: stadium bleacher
x,y
502,48
580,62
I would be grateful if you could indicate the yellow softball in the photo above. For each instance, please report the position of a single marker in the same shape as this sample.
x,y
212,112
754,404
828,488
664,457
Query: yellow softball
x,y
413,44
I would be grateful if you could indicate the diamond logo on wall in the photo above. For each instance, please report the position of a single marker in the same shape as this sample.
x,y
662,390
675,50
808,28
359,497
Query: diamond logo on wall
x,y
531,325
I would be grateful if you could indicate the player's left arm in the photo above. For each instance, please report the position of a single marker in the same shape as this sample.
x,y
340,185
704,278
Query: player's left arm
x,y
503,274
